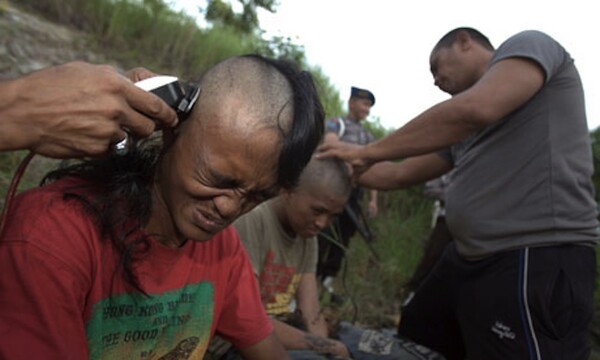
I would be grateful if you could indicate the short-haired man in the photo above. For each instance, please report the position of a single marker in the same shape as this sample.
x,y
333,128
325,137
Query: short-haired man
x,y
280,238
348,129
518,280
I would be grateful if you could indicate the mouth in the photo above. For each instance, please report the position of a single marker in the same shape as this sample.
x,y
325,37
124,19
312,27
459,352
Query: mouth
x,y
206,222
312,232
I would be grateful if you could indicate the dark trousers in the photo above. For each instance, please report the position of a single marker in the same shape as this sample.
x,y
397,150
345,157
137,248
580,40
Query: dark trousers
x,y
439,237
531,303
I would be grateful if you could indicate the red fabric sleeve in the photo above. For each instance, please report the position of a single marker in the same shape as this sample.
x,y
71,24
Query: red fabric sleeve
x,y
42,293
244,321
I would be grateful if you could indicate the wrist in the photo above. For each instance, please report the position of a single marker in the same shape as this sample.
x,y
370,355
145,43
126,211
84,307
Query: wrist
x,y
13,116
367,155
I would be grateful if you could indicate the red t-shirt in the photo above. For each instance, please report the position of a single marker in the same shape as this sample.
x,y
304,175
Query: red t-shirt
x,y
62,298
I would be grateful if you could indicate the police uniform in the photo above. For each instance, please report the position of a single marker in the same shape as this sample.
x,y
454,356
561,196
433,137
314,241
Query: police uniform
x,y
343,227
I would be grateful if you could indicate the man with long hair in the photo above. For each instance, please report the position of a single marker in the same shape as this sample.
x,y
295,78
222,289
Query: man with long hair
x,y
132,256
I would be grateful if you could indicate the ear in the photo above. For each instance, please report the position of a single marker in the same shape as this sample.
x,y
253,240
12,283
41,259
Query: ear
x,y
463,40
286,193
169,135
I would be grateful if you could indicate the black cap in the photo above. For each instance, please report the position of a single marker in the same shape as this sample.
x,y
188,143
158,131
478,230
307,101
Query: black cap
x,y
362,94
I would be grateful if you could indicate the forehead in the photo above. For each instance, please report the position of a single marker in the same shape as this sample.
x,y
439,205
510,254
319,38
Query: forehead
x,y
234,139
440,57
318,194
361,101
249,157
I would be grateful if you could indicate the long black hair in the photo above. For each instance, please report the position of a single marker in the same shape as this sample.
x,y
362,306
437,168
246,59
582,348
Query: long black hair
x,y
116,193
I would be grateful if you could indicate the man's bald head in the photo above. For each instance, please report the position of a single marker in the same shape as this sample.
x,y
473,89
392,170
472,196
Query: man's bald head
x,y
250,93
255,93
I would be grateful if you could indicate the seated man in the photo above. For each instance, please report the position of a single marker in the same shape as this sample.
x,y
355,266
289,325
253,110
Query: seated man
x,y
132,256
280,238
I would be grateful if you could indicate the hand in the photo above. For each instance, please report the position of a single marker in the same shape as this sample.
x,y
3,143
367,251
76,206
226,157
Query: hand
x,y
341,351
348,152
139,74
373,209
77,110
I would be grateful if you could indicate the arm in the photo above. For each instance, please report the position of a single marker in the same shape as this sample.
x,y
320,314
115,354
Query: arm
x,y
373,208
507,85
296,339
316,338
76,109
307,300
267,349
387,175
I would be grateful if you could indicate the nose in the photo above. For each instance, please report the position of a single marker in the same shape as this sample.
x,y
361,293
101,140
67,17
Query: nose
x,y
322,221
229,205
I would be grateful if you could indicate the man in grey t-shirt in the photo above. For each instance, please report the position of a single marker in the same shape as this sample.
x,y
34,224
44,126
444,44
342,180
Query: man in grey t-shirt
x,y
518,281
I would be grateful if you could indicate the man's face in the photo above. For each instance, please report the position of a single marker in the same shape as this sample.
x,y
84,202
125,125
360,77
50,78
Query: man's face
x,y
212,175
359,108
450,70
311,210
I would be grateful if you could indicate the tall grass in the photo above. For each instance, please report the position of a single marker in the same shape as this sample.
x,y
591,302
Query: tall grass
x,y
149,33
374,273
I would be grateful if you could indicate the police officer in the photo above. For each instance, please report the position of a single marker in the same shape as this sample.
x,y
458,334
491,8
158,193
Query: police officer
x,y
349,129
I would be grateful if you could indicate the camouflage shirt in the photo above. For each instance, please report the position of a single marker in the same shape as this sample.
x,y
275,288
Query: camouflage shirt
x,y
349,130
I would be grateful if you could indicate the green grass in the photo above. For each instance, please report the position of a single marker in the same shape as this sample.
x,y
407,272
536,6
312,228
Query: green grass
x,y
373,275
134,32
9,162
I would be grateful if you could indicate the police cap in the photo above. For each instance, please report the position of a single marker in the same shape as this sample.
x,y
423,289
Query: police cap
x,y
362,94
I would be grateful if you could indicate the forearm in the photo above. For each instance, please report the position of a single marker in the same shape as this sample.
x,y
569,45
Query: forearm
x,y
307,298
296,339
388,175
290,337
269,348
13,129
76,110
385,175
437,128
373,196
316,325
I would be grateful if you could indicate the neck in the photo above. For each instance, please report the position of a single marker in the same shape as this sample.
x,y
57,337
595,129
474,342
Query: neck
x,y
352,117
278,206
161,224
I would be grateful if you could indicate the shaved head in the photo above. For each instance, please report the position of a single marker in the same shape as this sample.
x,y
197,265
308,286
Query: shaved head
x,y
256,94
328,175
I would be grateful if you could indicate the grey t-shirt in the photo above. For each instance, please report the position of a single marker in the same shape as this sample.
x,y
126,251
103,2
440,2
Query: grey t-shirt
x,y
526,179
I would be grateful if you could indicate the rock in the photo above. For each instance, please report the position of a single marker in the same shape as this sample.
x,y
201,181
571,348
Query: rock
x,y
29,42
